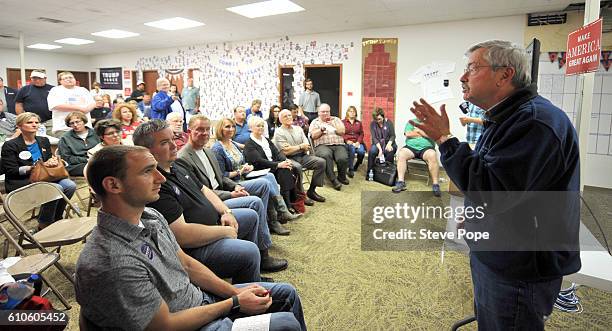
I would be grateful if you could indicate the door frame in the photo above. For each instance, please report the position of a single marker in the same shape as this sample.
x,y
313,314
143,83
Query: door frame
x,y
337,65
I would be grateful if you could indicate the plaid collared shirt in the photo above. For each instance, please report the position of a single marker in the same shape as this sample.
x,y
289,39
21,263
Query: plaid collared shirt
x,y
329,138
474,130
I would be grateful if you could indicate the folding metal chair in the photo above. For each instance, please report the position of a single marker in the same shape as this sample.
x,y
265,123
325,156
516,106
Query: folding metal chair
x,y
32,264
422,169
63,232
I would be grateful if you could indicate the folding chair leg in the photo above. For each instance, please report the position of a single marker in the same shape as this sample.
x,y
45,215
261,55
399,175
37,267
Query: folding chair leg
x,y
56,292
64,271
5,249
80,199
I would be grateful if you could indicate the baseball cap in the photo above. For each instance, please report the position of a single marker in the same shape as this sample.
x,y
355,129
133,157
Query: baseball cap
x,y
38,74
140,82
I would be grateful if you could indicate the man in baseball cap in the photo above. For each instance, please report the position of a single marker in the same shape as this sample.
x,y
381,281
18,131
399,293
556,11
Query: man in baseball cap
x,y
138,94
33,98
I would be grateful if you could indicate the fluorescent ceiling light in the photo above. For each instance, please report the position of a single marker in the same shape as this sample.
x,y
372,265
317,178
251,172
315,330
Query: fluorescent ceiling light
x,y
44,46
115,34
74,41
266,8
175,23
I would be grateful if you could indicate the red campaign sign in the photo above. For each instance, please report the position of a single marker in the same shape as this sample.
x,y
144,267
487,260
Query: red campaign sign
x,y
583,49
126,74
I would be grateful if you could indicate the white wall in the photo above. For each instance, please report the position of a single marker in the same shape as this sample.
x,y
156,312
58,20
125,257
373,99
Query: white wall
x,y
564,92
51,61
418,45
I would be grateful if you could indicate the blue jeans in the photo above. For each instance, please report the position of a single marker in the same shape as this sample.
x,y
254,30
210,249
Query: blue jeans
x,y
286,309
373,154
230,258
261,187
250,211
54,210
508,304
351,150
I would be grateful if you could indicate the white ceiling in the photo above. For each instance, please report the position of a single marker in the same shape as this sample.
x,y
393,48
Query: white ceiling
x,y
86,16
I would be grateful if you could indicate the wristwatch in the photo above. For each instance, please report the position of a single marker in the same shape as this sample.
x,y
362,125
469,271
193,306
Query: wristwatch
x,y
235,305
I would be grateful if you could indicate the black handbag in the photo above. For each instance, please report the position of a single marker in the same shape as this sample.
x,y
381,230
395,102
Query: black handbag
x,y
385,173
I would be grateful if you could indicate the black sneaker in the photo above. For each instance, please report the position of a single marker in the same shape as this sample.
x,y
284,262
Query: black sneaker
x,y
436,190
399,186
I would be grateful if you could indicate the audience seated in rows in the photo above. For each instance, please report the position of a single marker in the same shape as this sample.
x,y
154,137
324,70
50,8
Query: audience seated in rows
x,y
353,138
292,142
183,198
326,132
203,163
75,143
133,275
18,158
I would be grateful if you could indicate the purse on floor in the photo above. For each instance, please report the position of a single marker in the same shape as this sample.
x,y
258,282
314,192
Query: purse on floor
x,y
385,173
42,173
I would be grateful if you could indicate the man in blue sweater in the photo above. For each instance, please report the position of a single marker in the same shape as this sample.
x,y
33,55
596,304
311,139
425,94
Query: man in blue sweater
x,y
528,147
162,102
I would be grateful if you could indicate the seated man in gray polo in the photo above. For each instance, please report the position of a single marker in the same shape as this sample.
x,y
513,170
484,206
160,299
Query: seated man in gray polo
x,y
292,141
132,274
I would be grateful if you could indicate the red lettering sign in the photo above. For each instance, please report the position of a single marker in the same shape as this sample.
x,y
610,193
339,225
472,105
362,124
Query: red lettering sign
x,y
583,49
126,74
127,92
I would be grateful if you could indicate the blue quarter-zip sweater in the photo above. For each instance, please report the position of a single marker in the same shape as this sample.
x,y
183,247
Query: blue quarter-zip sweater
x,y
528,145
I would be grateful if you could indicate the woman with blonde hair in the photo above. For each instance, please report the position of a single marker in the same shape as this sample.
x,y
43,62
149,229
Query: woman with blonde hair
x,y
233,165
18,158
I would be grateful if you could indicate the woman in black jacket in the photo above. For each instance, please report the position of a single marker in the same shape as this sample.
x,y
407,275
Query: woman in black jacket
x,y
382,132
18,158
261,153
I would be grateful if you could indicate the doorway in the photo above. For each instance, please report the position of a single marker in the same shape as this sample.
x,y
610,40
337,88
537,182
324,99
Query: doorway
x,y
13,77
327,81
150,78
286,94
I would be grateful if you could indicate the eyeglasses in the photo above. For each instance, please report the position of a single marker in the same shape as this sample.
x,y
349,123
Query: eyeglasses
x,y
470,70
75,122
112,133
473,69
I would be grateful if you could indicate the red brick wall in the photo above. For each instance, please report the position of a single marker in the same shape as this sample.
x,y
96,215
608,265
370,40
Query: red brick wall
x,y
379,79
